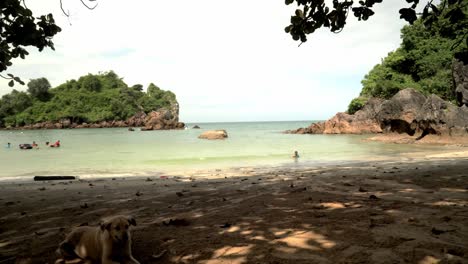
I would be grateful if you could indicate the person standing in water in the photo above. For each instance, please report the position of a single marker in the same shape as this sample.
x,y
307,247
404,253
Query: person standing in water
x,y
296,155
8,145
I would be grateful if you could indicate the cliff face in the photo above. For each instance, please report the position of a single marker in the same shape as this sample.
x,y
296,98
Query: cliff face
x,y
408,112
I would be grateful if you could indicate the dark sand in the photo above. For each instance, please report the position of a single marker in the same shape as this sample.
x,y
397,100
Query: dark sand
x,y
375,212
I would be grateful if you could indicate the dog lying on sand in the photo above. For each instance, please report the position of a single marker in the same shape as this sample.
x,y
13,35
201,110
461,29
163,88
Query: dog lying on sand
x,y
109,243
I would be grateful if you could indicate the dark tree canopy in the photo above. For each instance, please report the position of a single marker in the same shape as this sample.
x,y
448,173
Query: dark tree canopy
x,y
315,14
20,29
39,88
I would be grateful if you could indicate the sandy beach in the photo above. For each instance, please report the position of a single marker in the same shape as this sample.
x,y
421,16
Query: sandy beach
x,y
413,211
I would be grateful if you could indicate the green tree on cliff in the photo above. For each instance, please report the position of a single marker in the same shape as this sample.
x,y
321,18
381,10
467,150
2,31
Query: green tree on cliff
x,y
93,98
423,61
39,88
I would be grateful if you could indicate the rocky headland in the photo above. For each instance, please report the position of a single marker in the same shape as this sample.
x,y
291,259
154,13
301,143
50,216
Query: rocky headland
x,y
408,112
162,119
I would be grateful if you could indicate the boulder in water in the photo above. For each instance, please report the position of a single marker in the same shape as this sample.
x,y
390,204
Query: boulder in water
x,y
214,134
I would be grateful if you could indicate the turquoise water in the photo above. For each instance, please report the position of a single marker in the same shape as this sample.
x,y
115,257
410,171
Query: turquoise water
x,y
117,151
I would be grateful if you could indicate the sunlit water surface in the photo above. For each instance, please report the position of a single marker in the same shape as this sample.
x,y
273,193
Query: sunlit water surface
x,y
117,151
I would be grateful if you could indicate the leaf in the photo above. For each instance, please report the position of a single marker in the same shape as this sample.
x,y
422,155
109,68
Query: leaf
x,y
11,83
408,14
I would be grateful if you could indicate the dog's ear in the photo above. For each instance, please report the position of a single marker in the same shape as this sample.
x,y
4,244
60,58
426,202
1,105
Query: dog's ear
x,y
105,225
131,220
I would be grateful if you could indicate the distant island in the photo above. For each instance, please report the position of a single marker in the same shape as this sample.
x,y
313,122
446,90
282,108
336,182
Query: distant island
x,y
419,89
93,101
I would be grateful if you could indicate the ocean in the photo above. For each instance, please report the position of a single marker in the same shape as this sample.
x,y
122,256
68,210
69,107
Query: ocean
x,y
114,152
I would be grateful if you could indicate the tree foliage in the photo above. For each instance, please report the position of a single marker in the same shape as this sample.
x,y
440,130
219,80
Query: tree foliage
x,y
356,104
423,60
19,29
315,14
39,88
91,98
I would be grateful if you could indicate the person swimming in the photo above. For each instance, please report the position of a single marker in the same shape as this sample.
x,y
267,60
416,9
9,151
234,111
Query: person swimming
x,y
8,145
34,145
56,144
296,155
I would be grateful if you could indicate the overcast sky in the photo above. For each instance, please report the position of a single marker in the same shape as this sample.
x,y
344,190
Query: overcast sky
x,y
225,60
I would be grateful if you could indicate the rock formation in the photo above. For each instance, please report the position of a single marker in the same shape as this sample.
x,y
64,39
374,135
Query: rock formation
x,y
214,134
155,120
408,111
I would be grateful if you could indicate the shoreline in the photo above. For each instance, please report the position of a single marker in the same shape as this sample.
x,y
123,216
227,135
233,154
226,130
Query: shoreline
x,y
212,171
406,211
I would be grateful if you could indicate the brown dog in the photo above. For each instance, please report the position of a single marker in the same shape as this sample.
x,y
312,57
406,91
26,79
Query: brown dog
x,y
109,243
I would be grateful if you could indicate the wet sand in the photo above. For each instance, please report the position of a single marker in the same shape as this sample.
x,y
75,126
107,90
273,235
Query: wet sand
x,y
413,211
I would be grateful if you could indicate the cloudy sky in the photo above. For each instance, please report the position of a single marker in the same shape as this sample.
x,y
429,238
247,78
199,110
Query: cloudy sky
x,y
225,60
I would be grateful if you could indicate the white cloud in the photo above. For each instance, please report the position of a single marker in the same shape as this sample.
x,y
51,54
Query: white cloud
x,y
226,61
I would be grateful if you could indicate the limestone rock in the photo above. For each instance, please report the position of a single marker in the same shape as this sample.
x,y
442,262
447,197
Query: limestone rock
x,y
408,112
398,113
214,134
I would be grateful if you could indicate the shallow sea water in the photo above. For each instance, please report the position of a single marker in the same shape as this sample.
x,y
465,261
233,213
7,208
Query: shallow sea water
x,y
119,152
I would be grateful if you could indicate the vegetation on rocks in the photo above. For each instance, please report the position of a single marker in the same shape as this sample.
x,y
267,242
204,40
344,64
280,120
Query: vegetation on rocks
x,y
423,61
91,98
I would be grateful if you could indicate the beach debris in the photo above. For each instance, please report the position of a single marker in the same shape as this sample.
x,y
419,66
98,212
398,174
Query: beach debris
x,y
84,224
42,189
180,194
194,185
157,256
291,185
190,203
163,177
373,197
437,231
39,233
176,222
362,189
91,184
9,203
114,179
148,179
225,225
224,199
84,206
23,213
299,190
138,193
53,178
347,184
99,196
